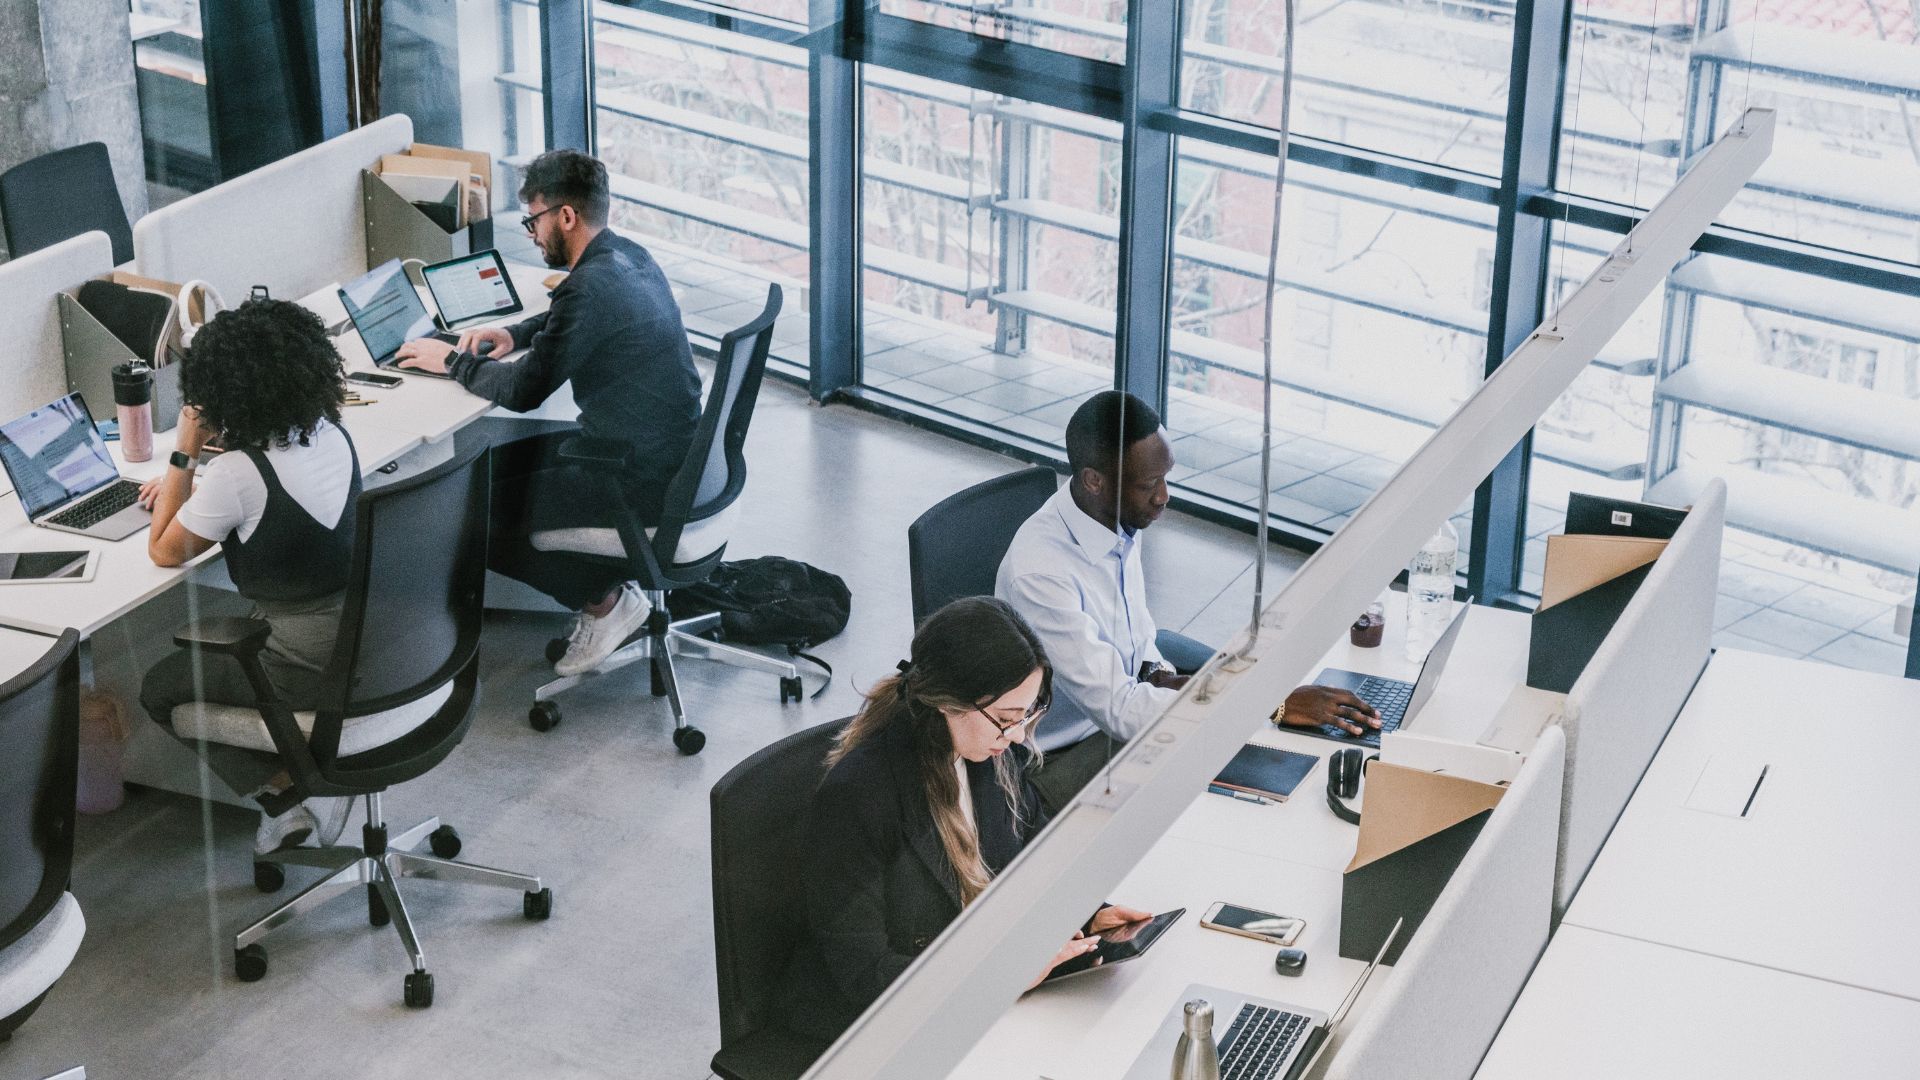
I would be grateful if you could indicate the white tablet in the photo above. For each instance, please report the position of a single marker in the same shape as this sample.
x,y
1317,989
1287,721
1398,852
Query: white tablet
x,y
43,567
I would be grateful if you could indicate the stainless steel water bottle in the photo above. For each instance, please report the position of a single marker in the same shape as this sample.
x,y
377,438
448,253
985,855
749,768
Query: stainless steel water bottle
x,y
1194,1056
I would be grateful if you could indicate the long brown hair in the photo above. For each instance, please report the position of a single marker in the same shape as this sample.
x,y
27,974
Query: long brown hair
x,y
964,656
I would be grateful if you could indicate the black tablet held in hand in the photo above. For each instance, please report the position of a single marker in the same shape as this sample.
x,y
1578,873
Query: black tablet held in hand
x,y
1118,945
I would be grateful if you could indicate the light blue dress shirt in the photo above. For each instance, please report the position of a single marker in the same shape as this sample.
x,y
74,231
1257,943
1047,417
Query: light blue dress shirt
x,y
1082,589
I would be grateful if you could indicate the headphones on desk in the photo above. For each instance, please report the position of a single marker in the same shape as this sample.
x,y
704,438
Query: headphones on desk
x,y
1344,772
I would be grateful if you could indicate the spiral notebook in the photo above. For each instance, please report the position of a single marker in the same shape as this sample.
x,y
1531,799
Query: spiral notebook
x,y
1264,770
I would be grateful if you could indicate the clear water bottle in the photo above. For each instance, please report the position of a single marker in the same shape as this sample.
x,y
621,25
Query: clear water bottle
x,y
1430,590
1194,1056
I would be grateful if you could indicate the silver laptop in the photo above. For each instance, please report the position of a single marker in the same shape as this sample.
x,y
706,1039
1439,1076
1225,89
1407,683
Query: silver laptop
x,y
387,313
64,476
1396,700
1256,1039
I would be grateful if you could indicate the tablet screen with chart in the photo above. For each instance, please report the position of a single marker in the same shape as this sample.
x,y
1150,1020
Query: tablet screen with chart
x,y
471,288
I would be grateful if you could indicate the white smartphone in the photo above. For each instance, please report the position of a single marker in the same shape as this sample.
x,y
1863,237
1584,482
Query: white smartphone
x,y
1253,923
41,567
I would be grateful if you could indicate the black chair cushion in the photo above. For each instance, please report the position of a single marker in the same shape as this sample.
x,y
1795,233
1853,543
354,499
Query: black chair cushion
x,y
60,195
767,1054
955,548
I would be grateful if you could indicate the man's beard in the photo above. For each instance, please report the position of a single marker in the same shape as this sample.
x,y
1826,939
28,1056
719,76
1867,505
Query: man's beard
x,y
556,254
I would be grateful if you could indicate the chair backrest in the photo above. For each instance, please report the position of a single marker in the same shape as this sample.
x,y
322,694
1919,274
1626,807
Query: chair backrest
x,y
411,621
39,765
696,522
955,548
58,196
759,821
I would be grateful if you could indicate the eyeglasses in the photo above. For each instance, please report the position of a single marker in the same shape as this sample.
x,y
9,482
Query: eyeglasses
x,y
527,222
1032,716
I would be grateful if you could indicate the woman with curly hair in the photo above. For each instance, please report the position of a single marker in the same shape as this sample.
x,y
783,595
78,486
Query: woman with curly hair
x,y
263,383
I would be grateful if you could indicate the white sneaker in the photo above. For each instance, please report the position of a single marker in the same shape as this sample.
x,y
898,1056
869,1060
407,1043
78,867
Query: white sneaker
x,y
331,816
595,639
289,830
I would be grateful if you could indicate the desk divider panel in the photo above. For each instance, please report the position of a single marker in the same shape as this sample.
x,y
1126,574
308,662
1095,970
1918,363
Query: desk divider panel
x,y
294,226
33,367
1620,709
1464,969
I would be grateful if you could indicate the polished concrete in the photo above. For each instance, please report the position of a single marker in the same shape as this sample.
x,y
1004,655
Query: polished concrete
x,y
620,982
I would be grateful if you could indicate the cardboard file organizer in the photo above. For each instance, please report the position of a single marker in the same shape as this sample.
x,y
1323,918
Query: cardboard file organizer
x,y
92,352
431,203
1415,829
1592,570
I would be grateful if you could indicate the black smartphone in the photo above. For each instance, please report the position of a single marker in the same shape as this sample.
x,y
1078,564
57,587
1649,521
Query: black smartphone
x,y
369,378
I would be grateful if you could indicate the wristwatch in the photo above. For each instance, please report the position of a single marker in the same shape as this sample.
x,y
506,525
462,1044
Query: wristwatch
x,y
180,461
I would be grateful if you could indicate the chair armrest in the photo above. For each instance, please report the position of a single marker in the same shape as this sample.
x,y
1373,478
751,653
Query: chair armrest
x,y
587,450
229,635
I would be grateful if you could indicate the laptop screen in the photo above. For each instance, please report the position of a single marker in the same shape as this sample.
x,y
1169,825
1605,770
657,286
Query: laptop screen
x,y
472,287
385,309
55,453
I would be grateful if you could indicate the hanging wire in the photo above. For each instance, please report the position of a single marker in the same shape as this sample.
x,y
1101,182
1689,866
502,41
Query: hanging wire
x,y
1573,148
1753,44
1245,654
1646,97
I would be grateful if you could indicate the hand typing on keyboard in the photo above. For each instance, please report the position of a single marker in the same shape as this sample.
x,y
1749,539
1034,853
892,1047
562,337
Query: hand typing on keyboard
x,y
1314,706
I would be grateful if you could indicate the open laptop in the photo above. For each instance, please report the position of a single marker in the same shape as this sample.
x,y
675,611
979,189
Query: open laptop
x,y
388,313
1397,701
471,290
64,476
1256,1039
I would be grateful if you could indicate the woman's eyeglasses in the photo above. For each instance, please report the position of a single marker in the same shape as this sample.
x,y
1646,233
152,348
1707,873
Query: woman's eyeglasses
x,y
1032,716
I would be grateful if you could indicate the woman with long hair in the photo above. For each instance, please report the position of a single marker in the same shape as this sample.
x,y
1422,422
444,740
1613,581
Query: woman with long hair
x,y
926,798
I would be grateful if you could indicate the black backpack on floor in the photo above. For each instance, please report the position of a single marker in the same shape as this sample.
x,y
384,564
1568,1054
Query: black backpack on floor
x,y
771,601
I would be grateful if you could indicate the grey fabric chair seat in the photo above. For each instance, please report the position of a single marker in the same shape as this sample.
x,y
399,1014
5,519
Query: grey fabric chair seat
x,y
30,966
235,725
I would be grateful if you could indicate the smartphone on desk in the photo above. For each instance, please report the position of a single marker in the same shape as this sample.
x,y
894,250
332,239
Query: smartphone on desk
x,y
1253,923
371,378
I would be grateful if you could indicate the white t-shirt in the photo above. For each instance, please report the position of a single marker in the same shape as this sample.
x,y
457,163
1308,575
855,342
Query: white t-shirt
x,y
229,494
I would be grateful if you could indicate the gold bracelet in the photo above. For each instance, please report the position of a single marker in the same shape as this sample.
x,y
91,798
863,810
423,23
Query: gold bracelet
x,y
1280,715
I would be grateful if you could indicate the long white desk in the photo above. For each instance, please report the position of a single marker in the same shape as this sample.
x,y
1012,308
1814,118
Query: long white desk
x,y
1285,858
1818,876
20,650
1604,1007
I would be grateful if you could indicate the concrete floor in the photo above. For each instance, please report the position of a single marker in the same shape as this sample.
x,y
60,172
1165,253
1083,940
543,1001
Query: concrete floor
x,y
620,982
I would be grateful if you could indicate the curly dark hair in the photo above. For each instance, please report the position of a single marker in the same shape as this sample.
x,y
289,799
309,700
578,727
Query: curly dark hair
x,y
263,374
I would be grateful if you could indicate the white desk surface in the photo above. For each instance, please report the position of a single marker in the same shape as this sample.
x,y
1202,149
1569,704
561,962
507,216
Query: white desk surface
x,y
20,650
1816,878
1286,858
1602,1007
421,411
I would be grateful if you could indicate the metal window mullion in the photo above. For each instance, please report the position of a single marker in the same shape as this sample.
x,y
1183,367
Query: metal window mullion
x,y
566,74
834,255
1519,295
1146,202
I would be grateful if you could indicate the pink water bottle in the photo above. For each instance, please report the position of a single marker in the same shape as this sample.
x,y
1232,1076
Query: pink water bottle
x,y
133,396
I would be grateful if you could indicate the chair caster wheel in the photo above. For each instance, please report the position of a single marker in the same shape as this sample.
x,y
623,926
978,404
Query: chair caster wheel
x,y
689,740
418,993
268,877
250,963
556,648
790,689
537,906
544,716
444,842
377,914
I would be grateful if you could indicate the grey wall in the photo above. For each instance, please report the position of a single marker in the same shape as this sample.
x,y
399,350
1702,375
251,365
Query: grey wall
x,y
66,77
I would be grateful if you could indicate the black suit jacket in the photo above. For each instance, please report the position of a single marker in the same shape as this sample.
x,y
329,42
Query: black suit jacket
x,y
878,885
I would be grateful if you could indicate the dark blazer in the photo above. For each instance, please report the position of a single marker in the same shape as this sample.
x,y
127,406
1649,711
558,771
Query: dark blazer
x,y
613,329
878,885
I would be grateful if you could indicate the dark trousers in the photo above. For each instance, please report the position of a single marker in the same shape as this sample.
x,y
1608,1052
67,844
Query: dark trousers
x,y
191,675
534,491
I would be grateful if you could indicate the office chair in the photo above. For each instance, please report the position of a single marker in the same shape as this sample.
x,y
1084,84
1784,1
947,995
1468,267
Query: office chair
x,y
40,922
58,196
759,814
685,546
955,548
403,682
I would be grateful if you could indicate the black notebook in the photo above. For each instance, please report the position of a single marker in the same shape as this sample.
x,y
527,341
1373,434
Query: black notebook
x,y
1263,770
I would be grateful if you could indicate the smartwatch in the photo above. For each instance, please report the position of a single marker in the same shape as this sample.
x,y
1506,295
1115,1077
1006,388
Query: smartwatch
x,y
180,461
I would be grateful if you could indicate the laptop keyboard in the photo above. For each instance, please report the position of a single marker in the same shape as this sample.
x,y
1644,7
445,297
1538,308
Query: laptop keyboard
x,y
1389,697
1257,1044
103,505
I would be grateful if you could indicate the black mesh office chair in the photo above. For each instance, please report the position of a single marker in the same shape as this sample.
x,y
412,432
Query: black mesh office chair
x,y
60,195
40,923
406,673
759,814
687,543
955,548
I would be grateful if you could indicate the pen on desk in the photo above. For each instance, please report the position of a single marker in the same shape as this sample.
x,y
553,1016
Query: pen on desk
x,y
356,401
1240,795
